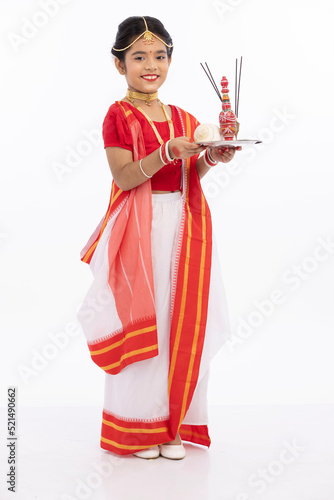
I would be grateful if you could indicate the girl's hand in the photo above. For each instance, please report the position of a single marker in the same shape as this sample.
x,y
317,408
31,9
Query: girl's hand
x,y
183,147
224,154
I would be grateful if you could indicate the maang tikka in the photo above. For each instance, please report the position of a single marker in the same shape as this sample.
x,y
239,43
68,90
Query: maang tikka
x,y
148,39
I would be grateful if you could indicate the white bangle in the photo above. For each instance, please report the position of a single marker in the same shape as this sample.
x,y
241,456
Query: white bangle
x,y
208,161
161,158
167,152
141,168
210,156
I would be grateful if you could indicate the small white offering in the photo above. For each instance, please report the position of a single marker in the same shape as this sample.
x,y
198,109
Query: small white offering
x,y
207,132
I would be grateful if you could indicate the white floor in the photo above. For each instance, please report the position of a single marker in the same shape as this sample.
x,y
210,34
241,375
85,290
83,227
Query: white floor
x,y
258,452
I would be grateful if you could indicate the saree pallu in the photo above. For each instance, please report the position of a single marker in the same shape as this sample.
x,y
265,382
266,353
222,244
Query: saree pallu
x,y
121,327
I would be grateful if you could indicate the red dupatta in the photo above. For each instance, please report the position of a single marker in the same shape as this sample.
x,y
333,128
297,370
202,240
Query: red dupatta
x,y
131,281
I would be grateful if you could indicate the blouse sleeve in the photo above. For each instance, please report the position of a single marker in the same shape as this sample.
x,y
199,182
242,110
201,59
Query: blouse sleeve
x,y
115,131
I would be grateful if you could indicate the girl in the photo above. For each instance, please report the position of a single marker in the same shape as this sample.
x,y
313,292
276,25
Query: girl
x,y
156,312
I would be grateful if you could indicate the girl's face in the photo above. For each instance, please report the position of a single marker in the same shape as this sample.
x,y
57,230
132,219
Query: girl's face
x,y
145,66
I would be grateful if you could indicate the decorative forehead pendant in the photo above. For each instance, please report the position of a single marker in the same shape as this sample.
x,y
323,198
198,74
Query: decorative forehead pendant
x,y
148,38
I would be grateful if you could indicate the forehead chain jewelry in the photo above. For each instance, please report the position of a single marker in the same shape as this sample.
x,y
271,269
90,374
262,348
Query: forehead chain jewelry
x,y
148,38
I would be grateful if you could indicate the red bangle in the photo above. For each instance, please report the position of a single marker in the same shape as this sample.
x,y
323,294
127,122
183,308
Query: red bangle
x,y
208,160
163,155
167,152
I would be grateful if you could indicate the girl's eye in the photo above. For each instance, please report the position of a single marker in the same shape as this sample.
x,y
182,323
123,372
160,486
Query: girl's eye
x,y
141,58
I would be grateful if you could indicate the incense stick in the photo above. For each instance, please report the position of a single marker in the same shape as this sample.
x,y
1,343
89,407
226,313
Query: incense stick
x,y
235,87
212,82
217,90
237,110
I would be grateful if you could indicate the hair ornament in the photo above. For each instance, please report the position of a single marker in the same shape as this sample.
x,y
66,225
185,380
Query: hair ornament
x,y
148,38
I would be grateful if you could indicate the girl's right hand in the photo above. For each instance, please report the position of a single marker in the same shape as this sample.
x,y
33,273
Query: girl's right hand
x,y
183,148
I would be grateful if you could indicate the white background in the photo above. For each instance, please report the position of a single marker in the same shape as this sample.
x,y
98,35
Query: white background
x,y
270,213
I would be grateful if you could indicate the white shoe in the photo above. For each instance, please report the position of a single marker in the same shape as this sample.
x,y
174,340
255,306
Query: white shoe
x,y
148,453
172,451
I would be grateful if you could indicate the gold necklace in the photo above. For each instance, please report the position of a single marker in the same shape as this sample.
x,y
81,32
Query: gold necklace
x,y
170,123
141,96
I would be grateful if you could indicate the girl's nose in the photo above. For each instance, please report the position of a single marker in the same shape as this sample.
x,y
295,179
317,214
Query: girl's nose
x,y
151,63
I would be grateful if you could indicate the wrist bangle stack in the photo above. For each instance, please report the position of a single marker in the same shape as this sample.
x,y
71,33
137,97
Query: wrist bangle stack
x,y
141,168
208,160
163,155
210,156
167,152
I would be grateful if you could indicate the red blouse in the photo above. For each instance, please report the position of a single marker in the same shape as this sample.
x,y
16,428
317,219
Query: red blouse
x,y
116,133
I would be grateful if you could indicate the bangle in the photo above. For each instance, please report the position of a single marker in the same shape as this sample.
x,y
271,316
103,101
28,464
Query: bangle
x,y
163,154
141,168
210,156
161,158
208,160
167,152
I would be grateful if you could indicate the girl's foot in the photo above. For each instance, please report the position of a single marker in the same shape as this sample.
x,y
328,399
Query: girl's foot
x,y
148,453
173,449
175,452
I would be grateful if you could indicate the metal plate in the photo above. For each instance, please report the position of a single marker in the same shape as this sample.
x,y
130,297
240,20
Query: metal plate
x,y
243,142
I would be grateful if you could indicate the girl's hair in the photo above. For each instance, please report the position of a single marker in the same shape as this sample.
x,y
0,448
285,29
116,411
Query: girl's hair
x,y
132,27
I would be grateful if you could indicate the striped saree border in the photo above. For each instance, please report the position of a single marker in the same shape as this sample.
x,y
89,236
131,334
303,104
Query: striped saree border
x,y
134,343
191,295
125,437
198,434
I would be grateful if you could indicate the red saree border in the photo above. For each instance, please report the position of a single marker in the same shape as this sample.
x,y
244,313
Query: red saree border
x,y
122,349
198,434
191,294
125,437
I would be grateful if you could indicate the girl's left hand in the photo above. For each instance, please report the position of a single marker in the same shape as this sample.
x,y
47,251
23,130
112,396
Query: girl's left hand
x,y
224,154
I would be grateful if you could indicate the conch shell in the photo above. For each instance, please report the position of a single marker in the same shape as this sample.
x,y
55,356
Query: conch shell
x,y
207,132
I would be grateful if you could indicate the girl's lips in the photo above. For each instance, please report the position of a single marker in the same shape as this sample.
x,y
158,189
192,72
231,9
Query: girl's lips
x,y
150,78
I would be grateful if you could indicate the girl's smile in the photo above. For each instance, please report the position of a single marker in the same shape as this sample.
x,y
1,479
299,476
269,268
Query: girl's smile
x,y
150,78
